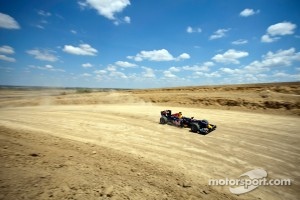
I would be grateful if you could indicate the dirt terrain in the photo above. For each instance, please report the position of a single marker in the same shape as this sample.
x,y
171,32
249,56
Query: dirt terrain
x,y
65,144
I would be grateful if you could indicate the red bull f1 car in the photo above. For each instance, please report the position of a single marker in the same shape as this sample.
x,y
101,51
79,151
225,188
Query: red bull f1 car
x,y
196,126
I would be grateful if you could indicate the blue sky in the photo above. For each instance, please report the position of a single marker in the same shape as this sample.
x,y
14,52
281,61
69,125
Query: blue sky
x,y
148,43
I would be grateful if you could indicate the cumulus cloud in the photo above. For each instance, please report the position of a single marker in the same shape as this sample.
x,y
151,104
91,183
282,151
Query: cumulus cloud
x,y
267,39
280,58
230,56
127,19
43,55
7,58
231,71
83,49
158,55
240,42
100,72
125,64
201,67
183,56
279,29
219,34
190,29
117,74
263,70
174,69
248,12
8,22
7,50
107,8
110,72
169,74
196,68
283,28
148,72
87,65
111,68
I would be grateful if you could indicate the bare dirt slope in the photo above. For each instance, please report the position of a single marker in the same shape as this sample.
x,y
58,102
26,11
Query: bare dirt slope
x,y
109,145
273,98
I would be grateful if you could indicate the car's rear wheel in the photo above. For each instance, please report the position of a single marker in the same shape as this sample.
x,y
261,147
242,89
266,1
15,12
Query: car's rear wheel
x,y
163,120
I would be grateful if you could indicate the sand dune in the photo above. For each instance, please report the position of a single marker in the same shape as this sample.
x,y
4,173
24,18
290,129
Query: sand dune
x,y
109,145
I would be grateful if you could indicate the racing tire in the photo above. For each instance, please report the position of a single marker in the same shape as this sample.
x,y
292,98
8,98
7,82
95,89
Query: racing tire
x,y
163,120
195,128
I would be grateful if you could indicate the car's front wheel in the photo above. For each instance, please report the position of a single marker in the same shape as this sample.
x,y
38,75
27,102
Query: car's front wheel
x,y
195,128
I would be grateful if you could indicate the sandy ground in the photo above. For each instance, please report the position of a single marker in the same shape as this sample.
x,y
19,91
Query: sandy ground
x,y
114,148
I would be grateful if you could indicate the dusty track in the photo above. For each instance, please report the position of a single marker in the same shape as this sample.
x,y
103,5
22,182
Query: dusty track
x,y
242,142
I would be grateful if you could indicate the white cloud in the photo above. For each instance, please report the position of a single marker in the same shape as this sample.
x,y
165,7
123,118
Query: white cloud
x,y
204,67
279,29
8,22
208,64
40,26
158,55
280,58
212,75
111,68
240,42
155,55
127,19
44,13
87,65
283,28
110,72
42,55
125,64
83,49
169,74
285,77
7,49
219,34
82,5
101,72
267,39
174,69
196,68
106,8
190,29
117,74
248,12
148,72
6,58
230,56
183,56
86,75
73,31
231,71
47,68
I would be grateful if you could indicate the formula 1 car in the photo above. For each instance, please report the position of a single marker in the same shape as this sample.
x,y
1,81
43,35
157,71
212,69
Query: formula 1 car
x,y
196,126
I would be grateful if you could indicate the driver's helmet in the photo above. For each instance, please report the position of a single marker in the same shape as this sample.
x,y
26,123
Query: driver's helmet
x,y
205,122
179,115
